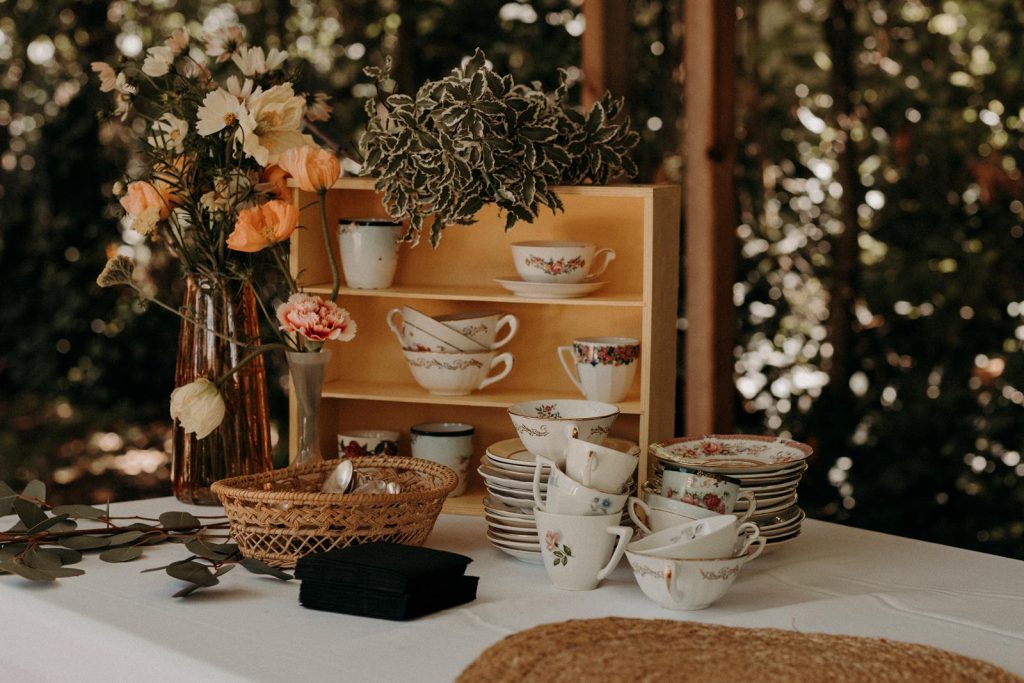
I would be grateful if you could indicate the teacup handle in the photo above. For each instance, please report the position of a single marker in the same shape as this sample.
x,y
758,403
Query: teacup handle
x,y
744,494
609,255
508,359
569,366
589,468
513,327
394,326
631,506
670,584
542,462
760,548
747,526
624,534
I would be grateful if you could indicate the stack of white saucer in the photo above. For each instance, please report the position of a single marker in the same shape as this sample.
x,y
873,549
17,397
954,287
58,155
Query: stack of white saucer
x,y
768,467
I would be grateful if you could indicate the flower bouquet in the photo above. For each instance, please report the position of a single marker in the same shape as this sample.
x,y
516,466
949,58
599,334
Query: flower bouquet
x,y
222,130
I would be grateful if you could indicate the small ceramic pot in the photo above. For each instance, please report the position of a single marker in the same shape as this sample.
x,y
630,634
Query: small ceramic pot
x,y
579,551
360,442
457,374
566,496
599,467
546,426
713,537
482,327
420,332
716,492
369,251
688,584
602,368
447,443
561,262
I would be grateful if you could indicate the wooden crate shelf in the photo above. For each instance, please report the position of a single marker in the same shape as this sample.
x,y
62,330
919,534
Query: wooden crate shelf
x,y
368,384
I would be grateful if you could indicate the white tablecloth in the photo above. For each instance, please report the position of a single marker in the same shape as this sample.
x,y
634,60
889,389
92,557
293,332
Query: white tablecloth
x,y
114,623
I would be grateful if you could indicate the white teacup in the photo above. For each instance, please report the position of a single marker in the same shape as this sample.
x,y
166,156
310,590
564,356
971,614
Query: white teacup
x,y
580,550
688,584
662,512
561,262
602,368
457,374
482,327
566,496
420,332
358,442
713,537
369,251
716,492
599,467
546,426
447,443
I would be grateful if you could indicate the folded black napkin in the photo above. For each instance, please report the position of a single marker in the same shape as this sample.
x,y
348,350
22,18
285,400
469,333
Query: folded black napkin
x,y
382,566
364,602
384,580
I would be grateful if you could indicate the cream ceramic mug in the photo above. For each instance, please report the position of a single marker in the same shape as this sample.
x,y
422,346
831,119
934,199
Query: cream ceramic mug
x,y
580,550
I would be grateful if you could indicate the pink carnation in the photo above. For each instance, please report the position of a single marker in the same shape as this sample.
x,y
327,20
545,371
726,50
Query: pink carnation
x,y
315,319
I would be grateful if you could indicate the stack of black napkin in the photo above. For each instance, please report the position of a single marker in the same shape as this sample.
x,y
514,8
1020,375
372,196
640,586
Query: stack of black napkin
x,y
384,580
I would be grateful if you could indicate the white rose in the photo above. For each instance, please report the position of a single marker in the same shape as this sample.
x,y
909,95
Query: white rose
x,y
198,406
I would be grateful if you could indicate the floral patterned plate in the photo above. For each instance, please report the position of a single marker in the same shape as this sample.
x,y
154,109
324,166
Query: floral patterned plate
x,y
732,453
548,290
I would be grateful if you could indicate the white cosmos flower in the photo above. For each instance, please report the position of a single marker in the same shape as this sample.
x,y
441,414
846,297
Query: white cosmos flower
x,y
243,91
158,61
177,41
223,42
273,124
108,78
168,132
220,110
252,61
198,406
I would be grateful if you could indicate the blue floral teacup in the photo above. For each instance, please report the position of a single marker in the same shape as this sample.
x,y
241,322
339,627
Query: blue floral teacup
x,y
566,496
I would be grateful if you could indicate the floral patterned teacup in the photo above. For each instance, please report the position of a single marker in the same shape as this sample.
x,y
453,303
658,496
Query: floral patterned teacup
x,y
715,492
482,327
566,496
580,550
560,262
713,537
457,374
545,426
602,368
360,442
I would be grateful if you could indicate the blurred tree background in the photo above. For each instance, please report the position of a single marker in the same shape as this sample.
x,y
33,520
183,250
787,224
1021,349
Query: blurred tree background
x,y
880,230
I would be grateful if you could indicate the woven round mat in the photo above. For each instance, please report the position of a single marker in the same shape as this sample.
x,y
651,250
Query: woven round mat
x,y
663,650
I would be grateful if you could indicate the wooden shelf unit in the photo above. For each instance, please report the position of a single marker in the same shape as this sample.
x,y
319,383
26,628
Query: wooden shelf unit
x,y
368,383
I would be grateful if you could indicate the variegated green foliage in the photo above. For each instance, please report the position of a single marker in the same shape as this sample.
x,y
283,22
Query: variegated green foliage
x,y
476,137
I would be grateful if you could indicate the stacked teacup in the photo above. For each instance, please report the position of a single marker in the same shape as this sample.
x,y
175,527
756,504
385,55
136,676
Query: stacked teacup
x,y
579,519
453,355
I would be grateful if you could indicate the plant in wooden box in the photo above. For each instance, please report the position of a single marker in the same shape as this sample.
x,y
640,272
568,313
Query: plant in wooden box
x,y
475,138
221,130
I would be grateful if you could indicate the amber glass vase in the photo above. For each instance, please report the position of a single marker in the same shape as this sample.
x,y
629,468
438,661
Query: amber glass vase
x,y
227,321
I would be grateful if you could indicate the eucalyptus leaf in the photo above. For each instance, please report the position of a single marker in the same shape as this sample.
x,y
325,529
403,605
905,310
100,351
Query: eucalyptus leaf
x,y
121,554
35,489
67,555
63,526
179,520
17,566
191,571
29,513
46,523
79,511
84,542
63,572
192,588
124,538
258,567
40,558
223,569
7,496
205,550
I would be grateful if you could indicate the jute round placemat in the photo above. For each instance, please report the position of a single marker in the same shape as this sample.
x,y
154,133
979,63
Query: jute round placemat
x,y
664,650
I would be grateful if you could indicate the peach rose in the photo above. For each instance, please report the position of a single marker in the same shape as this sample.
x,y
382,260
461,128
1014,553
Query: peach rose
x,y
263,225
313,168
146,205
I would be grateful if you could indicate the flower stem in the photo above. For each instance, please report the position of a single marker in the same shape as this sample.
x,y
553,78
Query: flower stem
x,y
332,259
245,360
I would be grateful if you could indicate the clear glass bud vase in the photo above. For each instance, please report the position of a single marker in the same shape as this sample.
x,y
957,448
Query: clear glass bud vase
x,y
227,320
307,371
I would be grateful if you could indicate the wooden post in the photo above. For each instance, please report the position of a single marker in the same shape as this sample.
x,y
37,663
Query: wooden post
x,y
605,49
710,67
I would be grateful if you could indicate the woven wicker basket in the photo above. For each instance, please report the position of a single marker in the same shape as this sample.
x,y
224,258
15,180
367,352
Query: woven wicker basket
x,y
280,516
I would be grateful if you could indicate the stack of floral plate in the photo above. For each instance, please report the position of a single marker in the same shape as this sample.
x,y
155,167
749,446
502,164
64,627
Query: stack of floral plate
x,y
507,469
770,468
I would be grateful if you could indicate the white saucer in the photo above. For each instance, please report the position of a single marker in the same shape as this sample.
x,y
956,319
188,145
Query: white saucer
x,y
549,290
533,546
530,557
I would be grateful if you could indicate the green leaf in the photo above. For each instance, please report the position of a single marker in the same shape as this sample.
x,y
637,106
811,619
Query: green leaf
x,y
192,571
205,550
79,511
67,555
16,566
179,519
63,572
35,489
223,569
46,524
40,558
121,554
29,513
84,542
124,538
192,588
258,567
7,496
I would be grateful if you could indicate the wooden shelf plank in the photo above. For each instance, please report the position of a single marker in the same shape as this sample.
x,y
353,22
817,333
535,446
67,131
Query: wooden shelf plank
x,y
412,393
492,294
362,183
